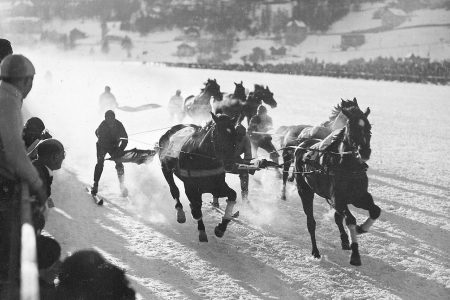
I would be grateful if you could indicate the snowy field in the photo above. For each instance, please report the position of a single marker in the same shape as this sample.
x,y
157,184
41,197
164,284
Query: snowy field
x,y
405,256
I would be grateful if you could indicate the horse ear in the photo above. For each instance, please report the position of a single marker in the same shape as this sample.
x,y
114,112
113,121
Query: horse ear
x,y
354,100
342,103
367,112
214,117
241,82
235,83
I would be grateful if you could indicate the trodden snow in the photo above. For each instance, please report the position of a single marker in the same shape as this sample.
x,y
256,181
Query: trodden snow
x,y
404,256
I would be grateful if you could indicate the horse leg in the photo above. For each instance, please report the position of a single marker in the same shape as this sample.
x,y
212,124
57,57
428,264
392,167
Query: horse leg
x,y
374,212
168,174
195,198
339,219
231,201
286,165
307,196
350,220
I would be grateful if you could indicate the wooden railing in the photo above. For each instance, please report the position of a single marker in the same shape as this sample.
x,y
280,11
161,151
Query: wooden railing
x,y
23,249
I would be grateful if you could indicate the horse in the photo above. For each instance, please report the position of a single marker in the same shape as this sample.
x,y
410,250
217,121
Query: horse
x,y
199,107
293,135
199,156
256,98
335,169
231,104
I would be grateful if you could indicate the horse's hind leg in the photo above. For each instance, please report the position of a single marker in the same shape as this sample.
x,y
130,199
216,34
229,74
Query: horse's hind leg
x,y
195,198
286,165
374,212
339,220
175,192
307,196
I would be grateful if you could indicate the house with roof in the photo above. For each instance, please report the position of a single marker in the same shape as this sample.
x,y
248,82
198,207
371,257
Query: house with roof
x,y
392,17
296,32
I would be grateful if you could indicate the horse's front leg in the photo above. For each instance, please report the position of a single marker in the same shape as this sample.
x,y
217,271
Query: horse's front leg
x,y
226,191
307,197
374,212
339,220
355,258
286,165
195,198
175,192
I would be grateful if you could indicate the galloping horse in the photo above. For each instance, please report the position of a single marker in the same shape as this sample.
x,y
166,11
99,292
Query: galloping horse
x,y
294,135
199,107
256,98
198,156
335,169
231,104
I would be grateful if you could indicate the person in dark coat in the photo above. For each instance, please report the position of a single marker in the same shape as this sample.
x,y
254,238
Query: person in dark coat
x,y
258,126
112,140
33,132
50,155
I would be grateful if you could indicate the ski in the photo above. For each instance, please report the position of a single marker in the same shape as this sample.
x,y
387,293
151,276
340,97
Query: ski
x,y
234,217
97,199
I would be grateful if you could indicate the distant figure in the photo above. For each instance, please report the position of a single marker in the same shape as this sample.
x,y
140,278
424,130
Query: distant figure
x,y
176,107
112,139
259,125
87,275
50,155
107,101
33,132
5,49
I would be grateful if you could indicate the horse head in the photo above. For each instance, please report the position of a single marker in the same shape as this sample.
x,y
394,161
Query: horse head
x,y
212,88
358,130
239,91
224,137
267,97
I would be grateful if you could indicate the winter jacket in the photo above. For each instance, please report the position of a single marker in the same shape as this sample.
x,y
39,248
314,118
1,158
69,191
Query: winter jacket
x,y
14,162
112,139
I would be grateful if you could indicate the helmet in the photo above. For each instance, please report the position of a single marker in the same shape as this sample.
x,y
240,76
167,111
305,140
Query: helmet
x,y
34,124
262,109
240,131
109,114
16,66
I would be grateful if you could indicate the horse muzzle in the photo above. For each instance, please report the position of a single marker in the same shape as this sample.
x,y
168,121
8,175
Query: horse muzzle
x,y
364,154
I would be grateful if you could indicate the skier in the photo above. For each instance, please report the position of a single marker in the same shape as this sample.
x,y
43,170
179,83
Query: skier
x,y
107,101
175,107
112,139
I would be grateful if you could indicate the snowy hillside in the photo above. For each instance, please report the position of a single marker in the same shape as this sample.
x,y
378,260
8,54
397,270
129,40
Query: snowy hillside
x,y
268,256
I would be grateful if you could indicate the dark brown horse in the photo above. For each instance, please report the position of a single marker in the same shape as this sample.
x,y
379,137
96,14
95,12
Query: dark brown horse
x,y
335,169
231,104
198,156
260,95
199,107
292,136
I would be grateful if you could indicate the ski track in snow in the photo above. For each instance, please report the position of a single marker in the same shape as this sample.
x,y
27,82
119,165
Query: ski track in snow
x,y
268,254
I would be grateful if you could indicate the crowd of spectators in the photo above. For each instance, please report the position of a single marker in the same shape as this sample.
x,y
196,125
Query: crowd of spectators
x,y
28,157
411,69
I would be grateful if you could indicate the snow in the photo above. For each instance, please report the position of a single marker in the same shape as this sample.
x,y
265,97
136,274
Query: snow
x,y
404,256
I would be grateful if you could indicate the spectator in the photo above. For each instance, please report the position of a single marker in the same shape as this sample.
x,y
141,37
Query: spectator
x,y
50,153
33,132
5,49
16,80
87,275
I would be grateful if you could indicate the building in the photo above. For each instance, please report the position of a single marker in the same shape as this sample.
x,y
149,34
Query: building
x,y
392,17
296,32
352,40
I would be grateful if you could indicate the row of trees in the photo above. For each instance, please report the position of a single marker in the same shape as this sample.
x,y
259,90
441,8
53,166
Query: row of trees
x,y
213,16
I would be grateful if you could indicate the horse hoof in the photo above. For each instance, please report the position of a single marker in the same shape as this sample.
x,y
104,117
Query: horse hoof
x,y
316,254
360,230
202,237
218,232
355,258
291,179
283,197
181,216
